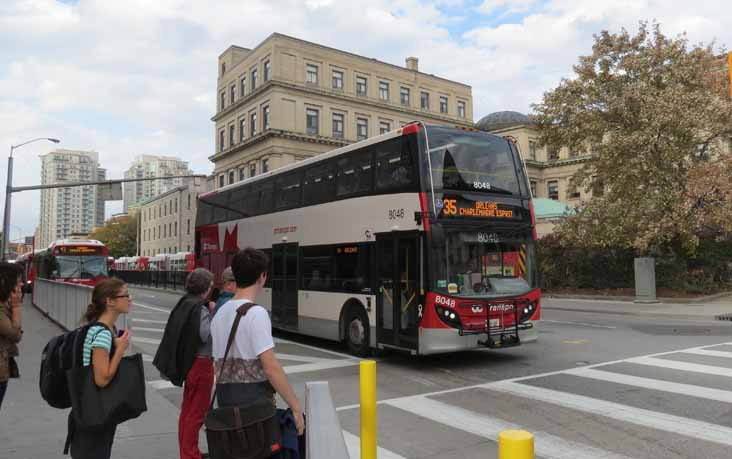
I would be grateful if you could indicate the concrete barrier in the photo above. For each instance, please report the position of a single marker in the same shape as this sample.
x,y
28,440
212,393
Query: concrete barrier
x,y
65,303
324,432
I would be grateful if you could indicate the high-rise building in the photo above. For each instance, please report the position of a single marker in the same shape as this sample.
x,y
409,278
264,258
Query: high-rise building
x,y
147,166
68,210
289,99
101,176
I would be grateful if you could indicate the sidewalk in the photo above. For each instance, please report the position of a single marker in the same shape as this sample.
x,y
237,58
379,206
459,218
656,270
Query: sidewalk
x,y
699,311
30,429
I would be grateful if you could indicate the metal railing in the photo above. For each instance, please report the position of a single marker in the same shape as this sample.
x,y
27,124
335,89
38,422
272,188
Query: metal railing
x,y
173,280
65,303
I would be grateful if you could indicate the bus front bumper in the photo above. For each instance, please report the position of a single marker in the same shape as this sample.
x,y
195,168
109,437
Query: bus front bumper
x,y
442,340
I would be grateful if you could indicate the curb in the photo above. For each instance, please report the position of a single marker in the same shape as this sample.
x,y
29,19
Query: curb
x,y
154,289
631,299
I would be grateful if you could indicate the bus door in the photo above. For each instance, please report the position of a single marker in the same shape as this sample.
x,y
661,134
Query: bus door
x,y
284,285
398,291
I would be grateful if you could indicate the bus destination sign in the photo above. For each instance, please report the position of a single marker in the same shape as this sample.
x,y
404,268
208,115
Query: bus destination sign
x,y
452,207
79,250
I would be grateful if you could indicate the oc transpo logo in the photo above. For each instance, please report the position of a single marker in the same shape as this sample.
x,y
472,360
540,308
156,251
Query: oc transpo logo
x,y
501,307
477,309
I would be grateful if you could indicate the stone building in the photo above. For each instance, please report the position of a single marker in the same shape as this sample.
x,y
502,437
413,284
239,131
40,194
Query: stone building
x,y
167,222
288,99
550,171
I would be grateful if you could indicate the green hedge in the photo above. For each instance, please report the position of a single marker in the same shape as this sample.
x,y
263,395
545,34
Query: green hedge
x,y
560,267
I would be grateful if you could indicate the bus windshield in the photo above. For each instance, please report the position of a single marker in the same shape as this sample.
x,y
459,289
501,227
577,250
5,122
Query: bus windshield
x,y
471,161
477,263
81,267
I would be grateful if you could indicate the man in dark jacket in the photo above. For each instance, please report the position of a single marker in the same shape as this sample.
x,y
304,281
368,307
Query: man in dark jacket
x,y
184,354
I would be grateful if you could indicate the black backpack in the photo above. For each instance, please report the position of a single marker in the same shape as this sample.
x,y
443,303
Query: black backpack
x,y
61,353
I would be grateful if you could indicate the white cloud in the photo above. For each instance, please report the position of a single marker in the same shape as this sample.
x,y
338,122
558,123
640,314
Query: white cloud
x,y
133,77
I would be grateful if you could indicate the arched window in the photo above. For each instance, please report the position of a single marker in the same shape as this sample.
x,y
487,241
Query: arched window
x,y
223,68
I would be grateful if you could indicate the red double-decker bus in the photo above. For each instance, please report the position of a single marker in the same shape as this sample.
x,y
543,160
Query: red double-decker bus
x,y
78,262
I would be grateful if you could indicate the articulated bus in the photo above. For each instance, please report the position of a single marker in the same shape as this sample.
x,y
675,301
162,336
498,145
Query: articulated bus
x,y
76,262
421,239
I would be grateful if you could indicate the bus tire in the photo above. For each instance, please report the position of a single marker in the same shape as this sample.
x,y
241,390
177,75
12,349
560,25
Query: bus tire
x,y
357,331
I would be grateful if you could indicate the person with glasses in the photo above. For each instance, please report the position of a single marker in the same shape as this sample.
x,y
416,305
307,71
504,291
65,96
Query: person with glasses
x,y
11,284
103,349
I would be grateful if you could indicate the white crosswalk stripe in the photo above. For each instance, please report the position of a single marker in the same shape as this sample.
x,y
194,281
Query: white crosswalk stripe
x,y
709,353
682,366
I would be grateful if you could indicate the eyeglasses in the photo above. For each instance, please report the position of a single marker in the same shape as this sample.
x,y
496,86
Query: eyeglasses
x,y
123,296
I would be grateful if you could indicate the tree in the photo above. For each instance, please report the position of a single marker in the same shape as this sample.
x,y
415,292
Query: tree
x,y
119,235
656,116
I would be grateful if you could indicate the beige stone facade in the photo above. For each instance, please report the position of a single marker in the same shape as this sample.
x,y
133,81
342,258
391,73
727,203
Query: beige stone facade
x,y
167,222
289,99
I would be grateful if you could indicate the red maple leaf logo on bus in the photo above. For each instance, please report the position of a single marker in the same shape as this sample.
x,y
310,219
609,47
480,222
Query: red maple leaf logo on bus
x,y
230,240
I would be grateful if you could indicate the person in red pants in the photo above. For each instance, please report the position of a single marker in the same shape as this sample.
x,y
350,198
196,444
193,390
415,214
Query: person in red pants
x,y
200,377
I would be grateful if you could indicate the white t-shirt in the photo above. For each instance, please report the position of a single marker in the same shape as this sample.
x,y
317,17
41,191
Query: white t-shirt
x,y
253,337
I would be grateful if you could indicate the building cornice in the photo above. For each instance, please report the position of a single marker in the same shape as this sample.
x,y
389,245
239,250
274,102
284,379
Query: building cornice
x,y
281,134
367,101
557,162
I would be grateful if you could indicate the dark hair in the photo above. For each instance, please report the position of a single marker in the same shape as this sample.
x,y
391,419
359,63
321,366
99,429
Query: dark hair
x,y
9,275
104,290
248,265
199,281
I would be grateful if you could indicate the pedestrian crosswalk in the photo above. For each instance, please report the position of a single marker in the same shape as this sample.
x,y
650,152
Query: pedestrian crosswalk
x,y
613,423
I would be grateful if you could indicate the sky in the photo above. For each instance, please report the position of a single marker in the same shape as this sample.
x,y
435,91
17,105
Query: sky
x,y
133,77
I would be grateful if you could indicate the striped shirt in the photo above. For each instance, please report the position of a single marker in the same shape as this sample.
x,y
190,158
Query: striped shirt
x,y
97,336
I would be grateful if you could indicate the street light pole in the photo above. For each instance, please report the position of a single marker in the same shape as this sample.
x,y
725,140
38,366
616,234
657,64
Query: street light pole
x,y
8,196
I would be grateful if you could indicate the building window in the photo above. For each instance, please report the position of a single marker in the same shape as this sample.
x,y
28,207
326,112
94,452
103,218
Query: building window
x,y
188,229
533,188
165,231
404,96
337,80
252,169
254,79
338,121
311,116
223,68
231,177
532,149
231,135
424,100
311,74
189,202
267,67
222,101
221,140
265,117
383,90
232,93
243,86
253,124
461,109
242,173
443,104
361,86
574,194
384,127
553,190
242,129
553,154
176,206
221,181
175,228
265,165
362,128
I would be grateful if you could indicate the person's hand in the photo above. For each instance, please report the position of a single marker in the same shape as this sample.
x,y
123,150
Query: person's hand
x,y
299,421
16,298
121,343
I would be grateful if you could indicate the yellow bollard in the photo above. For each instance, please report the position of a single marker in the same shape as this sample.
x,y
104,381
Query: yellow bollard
x,y
515,444
368,409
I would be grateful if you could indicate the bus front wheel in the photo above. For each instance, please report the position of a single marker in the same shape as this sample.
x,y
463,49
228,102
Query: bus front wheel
x,y
357,332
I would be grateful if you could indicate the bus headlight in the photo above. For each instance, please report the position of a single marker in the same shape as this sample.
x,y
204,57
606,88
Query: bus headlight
x,y
449,316
527,311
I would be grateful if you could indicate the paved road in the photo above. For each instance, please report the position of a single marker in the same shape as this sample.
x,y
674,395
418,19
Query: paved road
x,y
594,386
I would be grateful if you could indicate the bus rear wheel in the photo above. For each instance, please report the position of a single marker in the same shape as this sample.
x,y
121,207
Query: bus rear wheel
x,y
357,332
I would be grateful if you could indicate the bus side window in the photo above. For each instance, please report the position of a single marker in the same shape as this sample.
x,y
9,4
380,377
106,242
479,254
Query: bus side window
x,y
288,191
266,195
353,268
319,184
268,282
394,167
317,268
354,174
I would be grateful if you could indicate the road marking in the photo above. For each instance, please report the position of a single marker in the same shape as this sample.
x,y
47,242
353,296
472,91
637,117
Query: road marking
x,y
582,324
161,384
654,384
326,365
157,330
660,421
152,308
325,351
575,341
683,366
147,358
150,321
139,339
710,353
353,444
302,358
545,444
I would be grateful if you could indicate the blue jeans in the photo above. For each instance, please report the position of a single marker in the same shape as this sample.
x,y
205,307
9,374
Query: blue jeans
x,y
3,388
